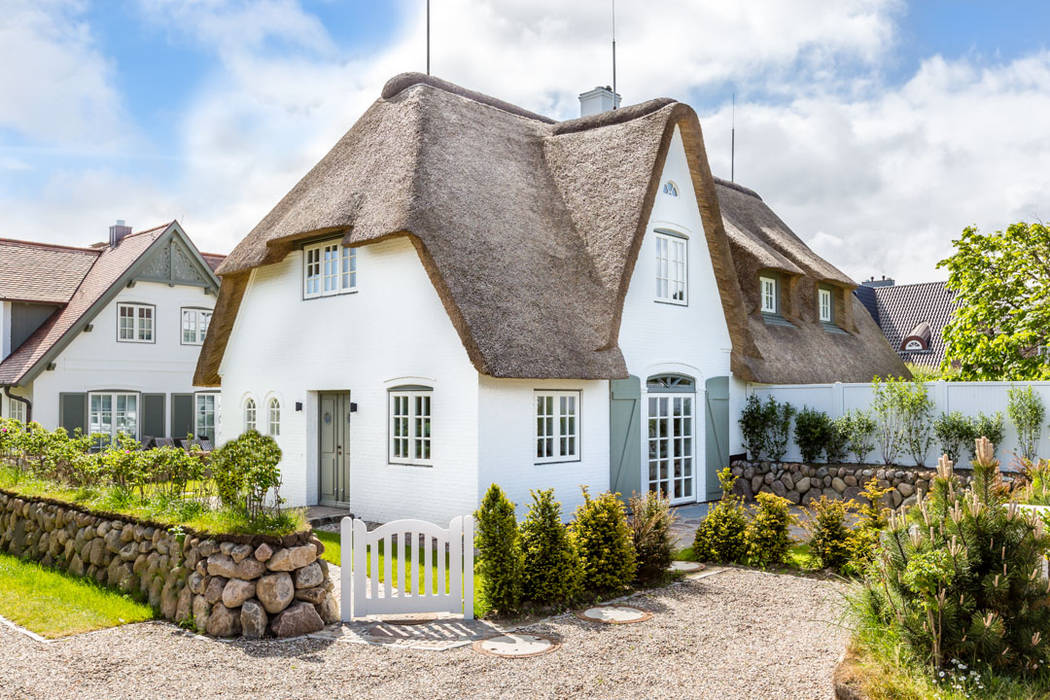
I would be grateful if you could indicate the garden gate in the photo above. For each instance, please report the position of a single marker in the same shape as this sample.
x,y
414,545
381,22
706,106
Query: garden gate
x,y
432,570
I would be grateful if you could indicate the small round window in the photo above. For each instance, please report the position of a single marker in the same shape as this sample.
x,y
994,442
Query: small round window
x,y
670,189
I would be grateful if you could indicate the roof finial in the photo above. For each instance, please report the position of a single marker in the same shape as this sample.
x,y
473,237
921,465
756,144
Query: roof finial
x,y
613,50
732,143
428,37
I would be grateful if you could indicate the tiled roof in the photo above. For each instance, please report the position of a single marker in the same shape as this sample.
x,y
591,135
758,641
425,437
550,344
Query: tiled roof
x,y
902,308
109,265
41,272
213,259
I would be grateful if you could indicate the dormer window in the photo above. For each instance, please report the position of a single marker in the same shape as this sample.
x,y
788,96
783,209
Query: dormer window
x,y
919,339
670,189
825,308
913,346
768,289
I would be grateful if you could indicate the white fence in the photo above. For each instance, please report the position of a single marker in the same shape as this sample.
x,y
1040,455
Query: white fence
x,y
414,581
969,398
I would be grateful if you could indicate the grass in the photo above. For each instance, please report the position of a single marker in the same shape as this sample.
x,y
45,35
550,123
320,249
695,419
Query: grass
x,y
799,557
414,577
155,507
54,604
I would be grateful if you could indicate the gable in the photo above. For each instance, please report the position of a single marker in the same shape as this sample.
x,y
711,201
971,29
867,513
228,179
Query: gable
x,y
174,262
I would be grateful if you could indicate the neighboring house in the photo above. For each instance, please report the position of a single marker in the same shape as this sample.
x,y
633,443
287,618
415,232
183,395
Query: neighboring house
x,y
105,338
463,293
911,316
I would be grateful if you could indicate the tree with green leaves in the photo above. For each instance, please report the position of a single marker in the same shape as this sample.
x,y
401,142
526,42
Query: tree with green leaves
x,y
1002,284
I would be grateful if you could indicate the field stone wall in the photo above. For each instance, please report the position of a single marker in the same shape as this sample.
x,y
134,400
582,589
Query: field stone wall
x,y
803,483
224,586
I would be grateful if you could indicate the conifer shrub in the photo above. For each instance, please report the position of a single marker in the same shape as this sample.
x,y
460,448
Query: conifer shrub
x,y
863,539
767,536
721,536
959,578
498,552
603,542
650,522
829,535
550,568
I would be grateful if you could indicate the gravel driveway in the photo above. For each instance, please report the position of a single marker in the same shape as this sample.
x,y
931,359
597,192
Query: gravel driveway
x,y
735,634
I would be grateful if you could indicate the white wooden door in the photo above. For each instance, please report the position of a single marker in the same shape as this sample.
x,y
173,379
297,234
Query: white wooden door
x,y
671,431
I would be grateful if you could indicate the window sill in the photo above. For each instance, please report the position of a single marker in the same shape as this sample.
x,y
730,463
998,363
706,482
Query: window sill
x,y
137,342
672,302
543,463
832,328
312,297
425,465
776,320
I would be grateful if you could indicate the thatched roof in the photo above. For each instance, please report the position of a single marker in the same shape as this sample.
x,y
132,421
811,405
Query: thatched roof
x,y
528,229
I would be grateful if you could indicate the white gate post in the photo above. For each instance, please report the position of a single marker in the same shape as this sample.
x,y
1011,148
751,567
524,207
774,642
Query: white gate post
x,y
360,544
455,559
468,568
345,586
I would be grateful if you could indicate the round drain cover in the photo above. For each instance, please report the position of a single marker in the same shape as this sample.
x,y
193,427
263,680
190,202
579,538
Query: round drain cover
x,y
686,567
516,646
614,614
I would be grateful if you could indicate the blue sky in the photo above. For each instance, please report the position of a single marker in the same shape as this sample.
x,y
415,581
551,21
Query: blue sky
x,y
877,129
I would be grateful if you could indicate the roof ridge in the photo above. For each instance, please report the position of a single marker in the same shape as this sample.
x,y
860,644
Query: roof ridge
x,y
613,116
401,82
53,246
738,187
942,283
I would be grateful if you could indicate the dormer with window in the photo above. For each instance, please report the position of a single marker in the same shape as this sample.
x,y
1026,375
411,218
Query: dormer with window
x,y
918,341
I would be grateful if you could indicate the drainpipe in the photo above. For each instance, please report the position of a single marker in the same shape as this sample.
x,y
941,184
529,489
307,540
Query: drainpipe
x,y
21,399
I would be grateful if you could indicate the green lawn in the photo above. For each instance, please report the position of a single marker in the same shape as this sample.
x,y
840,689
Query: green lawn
x,y
333,552
54,604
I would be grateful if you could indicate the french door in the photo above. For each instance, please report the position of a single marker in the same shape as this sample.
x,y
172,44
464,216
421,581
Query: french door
x,y
671,446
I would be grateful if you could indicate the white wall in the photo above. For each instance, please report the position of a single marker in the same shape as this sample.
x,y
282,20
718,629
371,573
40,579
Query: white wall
x,y
969,398
96,360
394,330
507,423
659,337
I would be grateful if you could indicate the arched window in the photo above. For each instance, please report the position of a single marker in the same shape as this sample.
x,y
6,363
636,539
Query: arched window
x,y
275,417
675,383
249,415
670,188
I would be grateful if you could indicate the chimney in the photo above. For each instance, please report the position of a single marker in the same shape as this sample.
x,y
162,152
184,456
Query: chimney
x,y
884,282
598,100
117,232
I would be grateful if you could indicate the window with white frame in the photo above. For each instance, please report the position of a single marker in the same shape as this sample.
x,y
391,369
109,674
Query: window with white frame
x,y
824,305
16,410
250,421
274,417
557,426
135,323
768,287
195,325
113,413
204,416
329,268
410,426
671,269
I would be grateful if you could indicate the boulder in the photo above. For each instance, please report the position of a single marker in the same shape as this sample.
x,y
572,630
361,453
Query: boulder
x,y
852,493
328,609
76,565
778,488
184,605
169,600
838,484
850,480
298,619
802,485
756,484
196,583
309,576
788,481
793,496
223,565
236,592
292,558
312,595
253,620
263,552
207,548
223,622
201,610
241,552
906,489
214,589
275,591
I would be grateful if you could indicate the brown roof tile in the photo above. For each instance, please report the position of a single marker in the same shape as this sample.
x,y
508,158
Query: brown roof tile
x,y
40,272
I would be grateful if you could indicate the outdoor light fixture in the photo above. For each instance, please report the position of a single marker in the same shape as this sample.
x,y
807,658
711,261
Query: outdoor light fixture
x,y
353,407
298,406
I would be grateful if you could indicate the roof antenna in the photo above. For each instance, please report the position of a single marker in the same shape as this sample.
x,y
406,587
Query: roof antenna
x,y
732,144
614,50
428,37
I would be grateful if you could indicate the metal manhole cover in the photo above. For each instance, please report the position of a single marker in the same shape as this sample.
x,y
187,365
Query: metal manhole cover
x,y
516,646
686,567
614,614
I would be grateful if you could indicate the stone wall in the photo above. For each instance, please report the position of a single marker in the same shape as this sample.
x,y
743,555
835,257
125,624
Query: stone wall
x,y
803,483
224,586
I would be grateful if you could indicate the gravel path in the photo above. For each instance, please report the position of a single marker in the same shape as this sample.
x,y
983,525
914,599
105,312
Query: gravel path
x,y
738,633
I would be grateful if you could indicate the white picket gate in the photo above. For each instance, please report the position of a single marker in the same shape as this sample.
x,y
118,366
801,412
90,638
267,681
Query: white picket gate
x,y
363,593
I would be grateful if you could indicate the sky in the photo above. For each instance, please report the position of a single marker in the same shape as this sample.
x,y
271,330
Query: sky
x,y
876,129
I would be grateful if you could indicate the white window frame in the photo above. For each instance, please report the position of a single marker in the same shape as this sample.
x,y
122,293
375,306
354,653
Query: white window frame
x,y
251,414
199,320
825,305
16,410
137,324
768,294
95,426
410,427
557,427
672,268
914,346
198,399
273,417
329,269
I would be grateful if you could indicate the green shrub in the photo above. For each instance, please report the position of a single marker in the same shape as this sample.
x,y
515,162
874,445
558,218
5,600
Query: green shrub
x,y
812,433
953,431
990,427
650,521
778,421
863,539
903,411
829,535
551,569
837,446
1026,412
498,547
767,536
860,429
245,471
753,427
721,534
603,541
962,579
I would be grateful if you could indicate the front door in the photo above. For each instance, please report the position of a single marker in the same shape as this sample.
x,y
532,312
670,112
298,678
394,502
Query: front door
x,y
671,444
334,421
